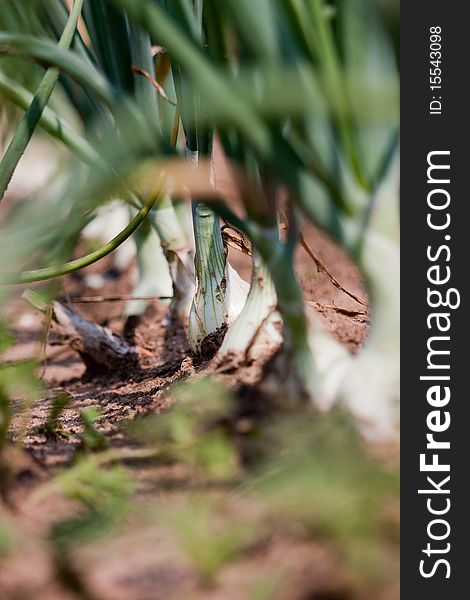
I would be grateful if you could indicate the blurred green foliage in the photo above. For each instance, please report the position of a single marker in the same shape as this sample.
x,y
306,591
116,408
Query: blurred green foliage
x,y
194,431
6,540
320,479
102,494
208,539
52,427
309,92
91,438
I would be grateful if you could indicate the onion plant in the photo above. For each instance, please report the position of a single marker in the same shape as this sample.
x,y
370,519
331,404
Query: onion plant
x,y
330,154
220,292
302,95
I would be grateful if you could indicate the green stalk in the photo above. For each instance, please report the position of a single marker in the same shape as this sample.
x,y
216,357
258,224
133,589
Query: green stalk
x,y
51,123
297,13
141,52
45,52
85,261
235,111
153,278
109,35
87,107
208,311
220,292
28,124
208,80
164,219
212,304
335,84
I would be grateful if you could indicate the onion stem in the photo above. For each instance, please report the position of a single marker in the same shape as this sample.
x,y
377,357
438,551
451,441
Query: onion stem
x,y
208,312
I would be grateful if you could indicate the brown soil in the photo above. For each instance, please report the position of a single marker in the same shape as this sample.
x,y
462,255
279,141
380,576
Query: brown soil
x,y
141,562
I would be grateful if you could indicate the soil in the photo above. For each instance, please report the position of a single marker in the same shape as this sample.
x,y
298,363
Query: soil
x,y
143,562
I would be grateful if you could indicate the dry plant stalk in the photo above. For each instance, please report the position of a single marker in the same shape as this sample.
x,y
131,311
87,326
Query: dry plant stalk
x,y
98,346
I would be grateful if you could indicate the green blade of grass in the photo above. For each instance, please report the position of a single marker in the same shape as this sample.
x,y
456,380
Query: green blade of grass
x,y
209,82
110,39
141,52
297,17
47,53
257,26
88,108
188,15
51,123
28,124
331,70
235,110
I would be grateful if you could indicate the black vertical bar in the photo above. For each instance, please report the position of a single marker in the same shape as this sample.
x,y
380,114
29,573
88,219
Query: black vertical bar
x,y
421,133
